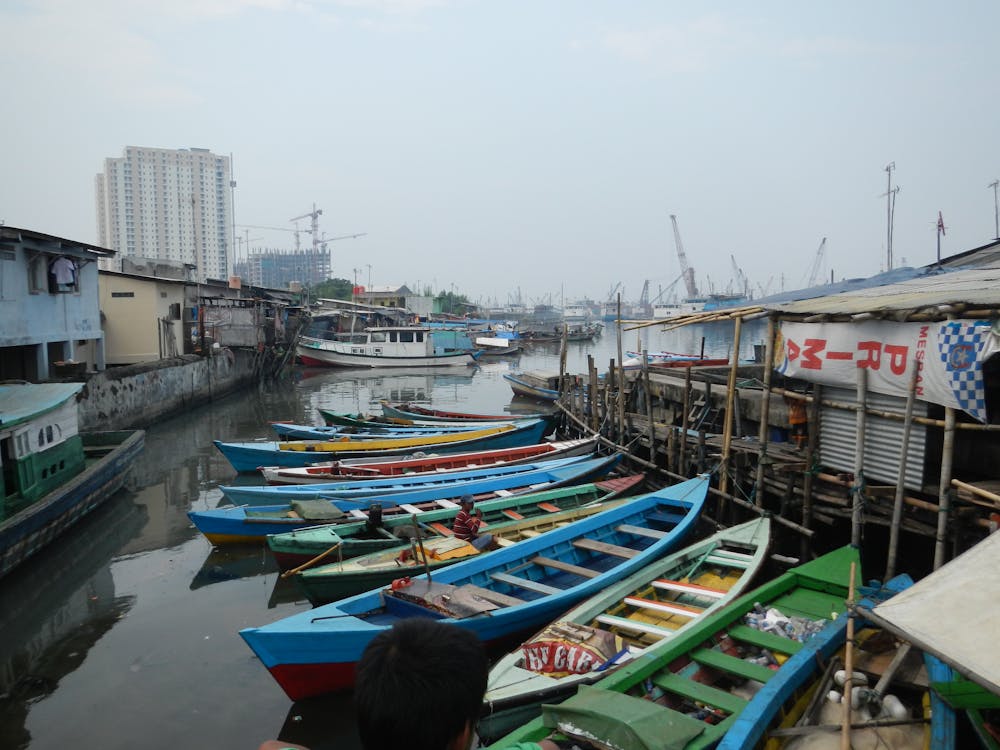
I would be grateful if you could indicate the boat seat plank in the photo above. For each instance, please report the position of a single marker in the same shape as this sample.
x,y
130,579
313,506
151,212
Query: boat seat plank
x,y
627,528
447,504
806,603
410,508
503,493
513,514
503,541
666,584
605,548
548,562
495,597
549,507
732,664
525,583
726,561
530,533
722,552
634,625
769,641
699,692
666,518
666,607
441,529
359,514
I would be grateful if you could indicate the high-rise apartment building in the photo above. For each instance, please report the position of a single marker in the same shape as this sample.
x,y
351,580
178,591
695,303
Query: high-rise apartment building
x,y
160,203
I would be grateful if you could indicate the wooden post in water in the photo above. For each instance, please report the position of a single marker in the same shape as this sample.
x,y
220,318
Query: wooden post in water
x,y
649,412
845,735
904,449
685,423
621,377
727,430
857,491
595,400
811,445
765,413
563,346
944,488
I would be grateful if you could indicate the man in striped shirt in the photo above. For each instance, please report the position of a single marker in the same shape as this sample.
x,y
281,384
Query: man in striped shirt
x,y
466,525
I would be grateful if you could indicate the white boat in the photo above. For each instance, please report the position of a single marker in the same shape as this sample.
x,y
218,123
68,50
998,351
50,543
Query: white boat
x,y
396,346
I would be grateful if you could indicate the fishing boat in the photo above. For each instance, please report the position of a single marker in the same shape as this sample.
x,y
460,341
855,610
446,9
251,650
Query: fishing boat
x,y
700,686
289,431
241,524
658,603
358,537
397,346
334,581
53,474
358,468
412,411
249,456
430,485
541,386
494,596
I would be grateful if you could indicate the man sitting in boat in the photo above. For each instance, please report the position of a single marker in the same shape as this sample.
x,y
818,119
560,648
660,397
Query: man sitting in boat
x,y
466,525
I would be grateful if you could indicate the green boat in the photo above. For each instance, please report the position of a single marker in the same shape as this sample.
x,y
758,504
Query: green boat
x,y
686,689
333,581
661,602
346,540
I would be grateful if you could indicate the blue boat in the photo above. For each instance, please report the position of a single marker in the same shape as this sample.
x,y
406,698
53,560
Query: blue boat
x,y
248,457
242,524
506,593
288,431
449,483
534,385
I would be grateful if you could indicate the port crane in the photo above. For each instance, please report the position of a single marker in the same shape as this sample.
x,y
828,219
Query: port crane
x,y
817,264
741,278
686,271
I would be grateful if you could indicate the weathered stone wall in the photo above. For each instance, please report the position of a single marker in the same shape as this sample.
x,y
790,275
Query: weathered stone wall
x,y
137,395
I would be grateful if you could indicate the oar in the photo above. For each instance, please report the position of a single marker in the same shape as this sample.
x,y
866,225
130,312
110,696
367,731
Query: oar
x,y
420,541
303,566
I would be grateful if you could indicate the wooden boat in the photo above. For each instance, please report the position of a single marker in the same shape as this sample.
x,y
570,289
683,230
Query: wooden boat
x,y
428,485
334,581
358,468
53,475
535,385
289,431
658,603
412,411
242,524
398,346
295,548
494,596
250,456
696,684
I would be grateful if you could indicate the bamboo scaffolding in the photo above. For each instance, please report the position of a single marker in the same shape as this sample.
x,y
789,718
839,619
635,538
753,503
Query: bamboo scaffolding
x,y
897,508
857,492
765,411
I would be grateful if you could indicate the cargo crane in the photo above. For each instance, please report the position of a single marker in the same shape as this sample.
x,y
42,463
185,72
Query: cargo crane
x,y
741,278
817,264
686,271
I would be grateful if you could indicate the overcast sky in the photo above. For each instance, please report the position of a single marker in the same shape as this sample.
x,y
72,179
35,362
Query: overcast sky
x,y
534,146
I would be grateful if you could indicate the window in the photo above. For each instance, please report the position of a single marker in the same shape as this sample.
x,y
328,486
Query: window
x,y
63,275
406,336
378,338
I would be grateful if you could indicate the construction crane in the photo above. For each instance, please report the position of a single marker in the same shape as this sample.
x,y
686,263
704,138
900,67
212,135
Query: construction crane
x,y
817,264
741,278
313,216
611,294
275,229
686,271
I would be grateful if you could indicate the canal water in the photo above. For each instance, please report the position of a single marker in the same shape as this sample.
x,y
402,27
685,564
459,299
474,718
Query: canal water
x,y
123,633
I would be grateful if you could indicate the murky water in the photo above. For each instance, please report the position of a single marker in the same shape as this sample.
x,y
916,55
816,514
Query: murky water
x,y
123,633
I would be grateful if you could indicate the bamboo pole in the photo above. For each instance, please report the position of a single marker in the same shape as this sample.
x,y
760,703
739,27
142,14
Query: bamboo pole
x,y
904,450
595,400
727,430
859,461
621,384
811,446
765,410
986,494
685,421
845,736
563,346
310,563
649,409
944,489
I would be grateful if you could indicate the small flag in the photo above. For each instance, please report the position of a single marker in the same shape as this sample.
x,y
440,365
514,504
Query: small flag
x,y
940,223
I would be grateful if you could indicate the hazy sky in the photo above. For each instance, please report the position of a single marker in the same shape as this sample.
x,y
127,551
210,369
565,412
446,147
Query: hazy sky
x,y
533,146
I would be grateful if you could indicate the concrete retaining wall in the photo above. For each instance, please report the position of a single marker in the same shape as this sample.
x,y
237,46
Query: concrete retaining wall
x,y
137,395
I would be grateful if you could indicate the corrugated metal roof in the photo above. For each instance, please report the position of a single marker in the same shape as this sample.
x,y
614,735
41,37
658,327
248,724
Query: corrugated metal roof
x,y
971,287
21,401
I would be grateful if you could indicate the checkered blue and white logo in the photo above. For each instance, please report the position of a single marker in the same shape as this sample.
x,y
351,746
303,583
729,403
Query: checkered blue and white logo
x,y
959,344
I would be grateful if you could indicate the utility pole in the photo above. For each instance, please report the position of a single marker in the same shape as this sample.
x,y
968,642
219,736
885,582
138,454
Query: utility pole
x,y
996,209
890,210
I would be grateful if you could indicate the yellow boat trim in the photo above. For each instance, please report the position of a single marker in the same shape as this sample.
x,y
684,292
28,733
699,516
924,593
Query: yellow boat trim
x,y
362,445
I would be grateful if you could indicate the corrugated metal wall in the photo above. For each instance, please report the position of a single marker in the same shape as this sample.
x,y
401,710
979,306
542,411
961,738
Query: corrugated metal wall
x,y
883,438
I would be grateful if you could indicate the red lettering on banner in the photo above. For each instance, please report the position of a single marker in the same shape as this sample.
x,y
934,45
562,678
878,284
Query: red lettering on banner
x,y
810,360
897,358
873,350
793,351
840,355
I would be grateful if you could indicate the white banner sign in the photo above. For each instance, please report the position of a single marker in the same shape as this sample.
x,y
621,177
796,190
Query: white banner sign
x,y
950,356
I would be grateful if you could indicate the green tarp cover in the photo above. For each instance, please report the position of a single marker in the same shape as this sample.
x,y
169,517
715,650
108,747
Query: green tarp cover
x,y
620,722
317,510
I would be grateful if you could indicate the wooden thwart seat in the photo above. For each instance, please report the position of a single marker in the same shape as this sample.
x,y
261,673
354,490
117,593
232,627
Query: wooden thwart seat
x,y
605,548
699,692
770,641
730,561
492,596
549,507
440,528
641,531
666,607
665,584
512,514
732,664
635,625
524,583
410,508
548,562
446,504
359,514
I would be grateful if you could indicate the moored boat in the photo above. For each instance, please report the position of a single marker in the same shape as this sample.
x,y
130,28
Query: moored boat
x,y
494,596
658,603
53,474
296,548
398,346
249,456
431,485
289,431
358,468
412,411
541,386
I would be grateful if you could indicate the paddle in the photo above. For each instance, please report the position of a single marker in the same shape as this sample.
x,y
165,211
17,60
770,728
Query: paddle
x,y
303,566
420,541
